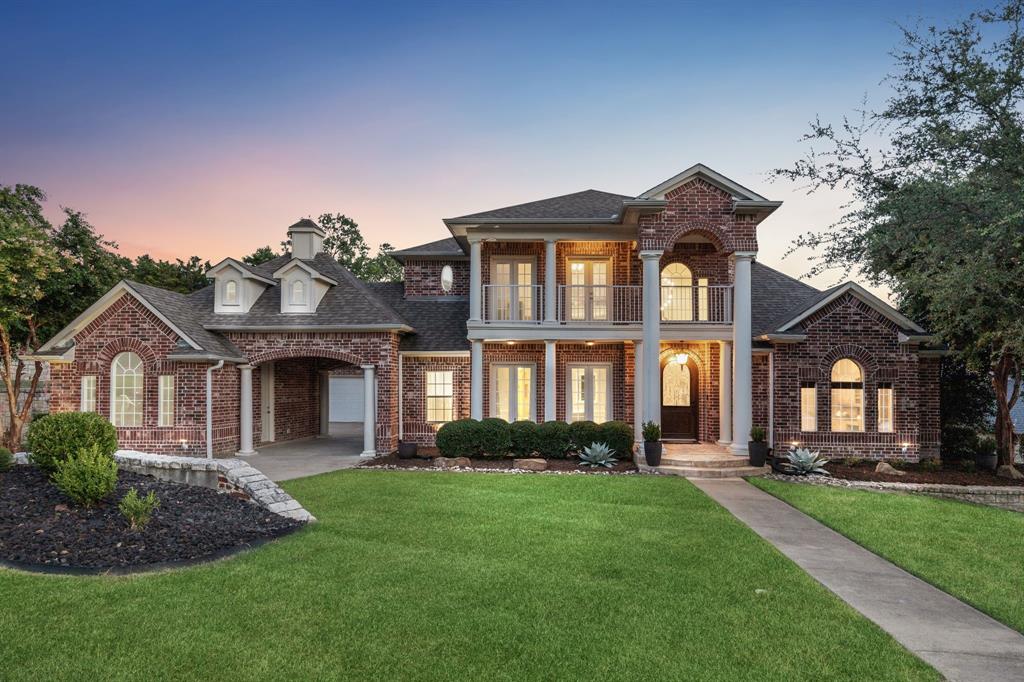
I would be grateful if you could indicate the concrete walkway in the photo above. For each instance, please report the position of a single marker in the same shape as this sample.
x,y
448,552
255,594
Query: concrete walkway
x,y
310,456
958,640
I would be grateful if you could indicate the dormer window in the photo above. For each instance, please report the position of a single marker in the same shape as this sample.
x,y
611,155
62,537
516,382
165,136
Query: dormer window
x,y
298,293
231,292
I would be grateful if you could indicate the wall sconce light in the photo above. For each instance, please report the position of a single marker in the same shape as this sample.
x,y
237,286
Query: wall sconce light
x,y
682,358
184,444
794,443
590,343
510,343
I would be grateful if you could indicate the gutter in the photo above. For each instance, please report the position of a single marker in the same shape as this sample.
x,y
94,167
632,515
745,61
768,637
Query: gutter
x,y
209,408
309,328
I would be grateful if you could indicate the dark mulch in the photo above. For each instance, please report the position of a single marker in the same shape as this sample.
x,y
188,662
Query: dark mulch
x,y
190,524
423,462
950,475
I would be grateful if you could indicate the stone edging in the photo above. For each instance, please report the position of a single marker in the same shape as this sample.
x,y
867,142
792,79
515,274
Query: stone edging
x,y
1001,496
232,476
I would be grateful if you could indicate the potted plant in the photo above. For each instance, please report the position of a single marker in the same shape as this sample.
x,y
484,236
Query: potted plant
x,y
652,443
758,446
987,455
406,450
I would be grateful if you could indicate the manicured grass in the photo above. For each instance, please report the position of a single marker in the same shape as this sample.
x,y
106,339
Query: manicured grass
x,y
414,575
972,552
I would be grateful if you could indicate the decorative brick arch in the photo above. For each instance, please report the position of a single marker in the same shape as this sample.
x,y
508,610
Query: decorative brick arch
x,y
125,344
847,350
286,353
695,353
714,230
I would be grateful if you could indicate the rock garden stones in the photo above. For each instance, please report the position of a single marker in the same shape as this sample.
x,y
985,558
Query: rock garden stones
x,y
530,464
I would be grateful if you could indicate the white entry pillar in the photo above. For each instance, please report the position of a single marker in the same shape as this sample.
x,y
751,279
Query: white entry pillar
x,y
245,411
475,281
369,412
550,281
651,370
725,393
476,380
550,380
742,365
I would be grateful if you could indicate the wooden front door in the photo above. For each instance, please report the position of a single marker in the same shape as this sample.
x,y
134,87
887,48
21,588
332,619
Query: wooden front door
x,y
679,398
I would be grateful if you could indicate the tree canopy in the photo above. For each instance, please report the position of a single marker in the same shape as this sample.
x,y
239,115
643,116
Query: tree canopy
x,y
346,244
260,256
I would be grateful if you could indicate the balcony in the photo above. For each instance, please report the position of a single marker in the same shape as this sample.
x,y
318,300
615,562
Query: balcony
x,y
605,304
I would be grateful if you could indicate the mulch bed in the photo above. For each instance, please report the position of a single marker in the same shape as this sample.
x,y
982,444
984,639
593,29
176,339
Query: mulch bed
x,y
40,528
949,475
421,462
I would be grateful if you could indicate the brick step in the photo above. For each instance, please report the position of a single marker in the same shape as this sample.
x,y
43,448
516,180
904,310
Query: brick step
x,y
704,461
713,472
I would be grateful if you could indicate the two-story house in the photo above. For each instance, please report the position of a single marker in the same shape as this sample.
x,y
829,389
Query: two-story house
x,y
591,305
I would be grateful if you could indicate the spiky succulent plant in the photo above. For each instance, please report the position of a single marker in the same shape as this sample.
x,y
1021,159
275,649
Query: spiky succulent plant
x,y
598,455
802,462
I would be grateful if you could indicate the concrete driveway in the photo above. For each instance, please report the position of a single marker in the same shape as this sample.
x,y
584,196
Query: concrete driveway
x,y
310,456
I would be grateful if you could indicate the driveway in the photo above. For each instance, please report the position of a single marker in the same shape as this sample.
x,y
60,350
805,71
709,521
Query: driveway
x,y
310,456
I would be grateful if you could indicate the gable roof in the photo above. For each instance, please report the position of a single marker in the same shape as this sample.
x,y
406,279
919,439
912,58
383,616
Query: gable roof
x,y
439,322
856,290
248,271
442,248
590,205
774,296
699,170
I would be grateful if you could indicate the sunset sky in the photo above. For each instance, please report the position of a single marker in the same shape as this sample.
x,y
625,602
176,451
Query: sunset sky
x,y
207,129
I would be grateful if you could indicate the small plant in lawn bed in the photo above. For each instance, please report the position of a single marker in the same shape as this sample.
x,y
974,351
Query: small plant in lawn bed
x,y
800,462
554,440
88,477
525,438
137,509
758,446
495,437
652,443
598,455
55,437
619,437
6,460
583,433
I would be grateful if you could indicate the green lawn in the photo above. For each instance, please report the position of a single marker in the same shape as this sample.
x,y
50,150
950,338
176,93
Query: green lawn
x,y
462,576
974,553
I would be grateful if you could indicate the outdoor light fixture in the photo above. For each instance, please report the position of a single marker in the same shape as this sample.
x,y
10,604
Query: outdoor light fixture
x,y
590,343
510,343
682,358
184,444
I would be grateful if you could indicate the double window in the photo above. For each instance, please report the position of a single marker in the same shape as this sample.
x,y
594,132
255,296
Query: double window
x,y
440,396
589,290
126,390
513,392
589,393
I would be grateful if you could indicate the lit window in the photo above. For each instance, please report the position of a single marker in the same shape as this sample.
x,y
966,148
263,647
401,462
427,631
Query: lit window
x,y
808,406
676,292
702,299
126,390
440,400
885,408
847,392
589,394
447,279
512,392
88,401
231,292
165,401
298,292
589,289
511,290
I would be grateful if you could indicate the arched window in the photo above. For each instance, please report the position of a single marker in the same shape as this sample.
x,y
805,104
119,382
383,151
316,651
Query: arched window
x,y
231,292
298,292
126,390
847,390
676,292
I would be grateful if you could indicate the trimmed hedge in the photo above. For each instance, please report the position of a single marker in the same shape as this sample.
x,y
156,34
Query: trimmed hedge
x,y
55,437
495,437
460,438
583,434
619,437
525,438
554,440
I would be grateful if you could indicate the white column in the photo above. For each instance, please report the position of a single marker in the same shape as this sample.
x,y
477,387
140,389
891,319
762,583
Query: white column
x,y
475,281
369,413
245,413
651,370
725,393
476,380
638,389
550,281
550,381
742,369
325,403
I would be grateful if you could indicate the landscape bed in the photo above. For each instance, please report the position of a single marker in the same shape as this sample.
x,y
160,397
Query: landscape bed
x,y
952,474
41,530
500,464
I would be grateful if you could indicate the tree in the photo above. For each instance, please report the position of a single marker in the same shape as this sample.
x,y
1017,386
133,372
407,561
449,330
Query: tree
x,y
345,243
937,177
260,256
181,276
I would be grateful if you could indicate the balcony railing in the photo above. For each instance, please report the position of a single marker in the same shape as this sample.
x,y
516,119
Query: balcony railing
x,y
513,303
710,304
610,304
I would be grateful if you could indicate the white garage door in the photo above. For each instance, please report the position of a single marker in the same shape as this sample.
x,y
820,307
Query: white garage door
x,y
346,397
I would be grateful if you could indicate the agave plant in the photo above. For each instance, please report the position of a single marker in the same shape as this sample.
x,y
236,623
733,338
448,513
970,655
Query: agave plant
x,y
598,455
802,462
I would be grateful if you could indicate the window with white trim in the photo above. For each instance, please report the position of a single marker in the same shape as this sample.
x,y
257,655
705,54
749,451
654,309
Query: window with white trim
x,y
847,394
808,406
676,293
511,291
126,390
88,394
165,400
440,400
230,293
512,392
589,393
298,292
886,408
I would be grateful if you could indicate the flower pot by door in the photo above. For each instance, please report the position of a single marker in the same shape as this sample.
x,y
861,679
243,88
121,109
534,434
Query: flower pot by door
x,y
758,453
652,452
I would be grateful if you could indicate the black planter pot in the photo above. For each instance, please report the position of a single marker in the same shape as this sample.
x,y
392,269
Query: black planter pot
x,y
406,450
758,453
986,461
652,452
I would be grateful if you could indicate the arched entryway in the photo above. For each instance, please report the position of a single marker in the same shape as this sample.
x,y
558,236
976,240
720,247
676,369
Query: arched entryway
x,y
680,397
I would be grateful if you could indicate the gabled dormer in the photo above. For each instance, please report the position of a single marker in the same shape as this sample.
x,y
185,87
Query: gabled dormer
x,y
236,286
302,287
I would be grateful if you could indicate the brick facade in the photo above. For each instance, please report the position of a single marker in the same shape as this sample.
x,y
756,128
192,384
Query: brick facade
x,y
699,207
423,277
415,427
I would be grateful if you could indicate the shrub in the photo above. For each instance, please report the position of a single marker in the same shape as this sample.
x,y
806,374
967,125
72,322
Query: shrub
x,y
619,436
55,437
598,455
525,437
968,465
651,432
495,437
554,439
930,465
88,477
959,442
138,510
758,434
459,438
6,459
583,434
987,445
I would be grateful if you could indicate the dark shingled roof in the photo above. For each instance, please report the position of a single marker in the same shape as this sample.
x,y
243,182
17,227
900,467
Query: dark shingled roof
x,y
776,298
589,205
306,222
183,313
440,323
441,248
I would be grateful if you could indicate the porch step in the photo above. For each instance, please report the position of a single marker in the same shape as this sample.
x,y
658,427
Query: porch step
x,y
705,461
712,472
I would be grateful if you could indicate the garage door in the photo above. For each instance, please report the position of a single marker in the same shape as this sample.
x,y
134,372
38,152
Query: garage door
x,y
346,397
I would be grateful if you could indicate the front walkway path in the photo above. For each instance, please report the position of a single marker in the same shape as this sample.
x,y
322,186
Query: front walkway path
x,y
958,640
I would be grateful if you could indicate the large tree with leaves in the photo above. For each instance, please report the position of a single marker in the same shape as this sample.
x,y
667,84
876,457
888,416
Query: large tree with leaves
x,y
937,176
346,244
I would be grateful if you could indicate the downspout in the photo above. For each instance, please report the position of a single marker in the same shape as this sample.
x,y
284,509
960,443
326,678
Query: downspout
x,y
401,389
209,407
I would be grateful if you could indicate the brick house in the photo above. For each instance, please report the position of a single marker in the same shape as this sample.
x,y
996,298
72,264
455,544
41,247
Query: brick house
x,y
585,306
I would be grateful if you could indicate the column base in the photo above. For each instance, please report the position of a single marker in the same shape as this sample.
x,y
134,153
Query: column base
x,y
244,453
739,449
368,453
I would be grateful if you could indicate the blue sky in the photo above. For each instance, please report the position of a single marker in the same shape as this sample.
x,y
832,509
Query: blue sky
x,y
208,128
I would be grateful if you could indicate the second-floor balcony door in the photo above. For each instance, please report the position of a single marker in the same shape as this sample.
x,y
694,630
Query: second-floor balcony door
x,y
589,289
512,290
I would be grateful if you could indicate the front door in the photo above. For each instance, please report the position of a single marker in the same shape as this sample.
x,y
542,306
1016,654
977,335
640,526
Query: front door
x,y
679,392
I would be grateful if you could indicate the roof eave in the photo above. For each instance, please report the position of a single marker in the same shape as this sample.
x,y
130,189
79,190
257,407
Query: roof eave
x,y
308,327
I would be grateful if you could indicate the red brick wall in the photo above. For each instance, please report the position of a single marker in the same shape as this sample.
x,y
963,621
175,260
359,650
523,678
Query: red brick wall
x,y
296,399
698,207
849,328
414,368
423,277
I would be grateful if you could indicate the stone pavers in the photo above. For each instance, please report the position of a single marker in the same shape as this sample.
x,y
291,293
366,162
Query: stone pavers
x,y
958,640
